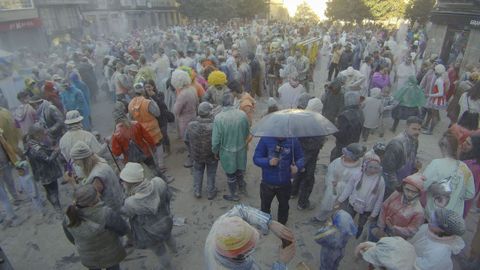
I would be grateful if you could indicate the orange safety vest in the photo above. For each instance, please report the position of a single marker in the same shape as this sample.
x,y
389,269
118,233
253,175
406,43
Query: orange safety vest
x,y
138,108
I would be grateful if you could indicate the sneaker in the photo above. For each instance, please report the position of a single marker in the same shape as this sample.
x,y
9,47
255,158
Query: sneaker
x,y
212,195
169,179
293,196
306,207
198,195
316,221
231,198
188,163
242,190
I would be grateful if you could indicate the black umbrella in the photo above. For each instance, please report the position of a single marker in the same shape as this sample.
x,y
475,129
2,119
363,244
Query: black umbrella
x,y
293,123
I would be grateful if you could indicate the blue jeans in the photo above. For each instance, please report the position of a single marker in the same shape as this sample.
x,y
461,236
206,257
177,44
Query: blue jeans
x,y
6,181
198,171
6,203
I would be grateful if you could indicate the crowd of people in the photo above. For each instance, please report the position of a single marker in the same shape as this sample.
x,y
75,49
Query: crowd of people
x,y
205,80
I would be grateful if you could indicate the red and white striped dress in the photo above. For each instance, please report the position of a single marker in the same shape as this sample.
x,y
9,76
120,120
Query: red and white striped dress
x,y
437,99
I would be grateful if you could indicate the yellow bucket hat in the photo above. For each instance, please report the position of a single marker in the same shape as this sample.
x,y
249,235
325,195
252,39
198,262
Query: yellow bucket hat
x,y
235,237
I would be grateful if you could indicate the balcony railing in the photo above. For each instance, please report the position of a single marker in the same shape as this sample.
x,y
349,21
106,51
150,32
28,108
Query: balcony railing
x,y
61,2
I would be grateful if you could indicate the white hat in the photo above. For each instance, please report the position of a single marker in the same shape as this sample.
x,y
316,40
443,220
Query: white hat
x,y
439,69
375,92
315,104
132,173
349,71
73,117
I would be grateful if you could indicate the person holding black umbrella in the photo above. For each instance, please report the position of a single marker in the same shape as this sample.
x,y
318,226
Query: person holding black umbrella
x,y
280,159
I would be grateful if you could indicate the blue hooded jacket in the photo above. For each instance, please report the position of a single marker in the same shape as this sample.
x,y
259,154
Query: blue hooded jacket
x,y
290,150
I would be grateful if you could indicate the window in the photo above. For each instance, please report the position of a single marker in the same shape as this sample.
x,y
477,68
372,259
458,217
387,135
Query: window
x,y
15,4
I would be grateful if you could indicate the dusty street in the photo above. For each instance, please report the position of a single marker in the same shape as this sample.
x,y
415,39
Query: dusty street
x,y
41,244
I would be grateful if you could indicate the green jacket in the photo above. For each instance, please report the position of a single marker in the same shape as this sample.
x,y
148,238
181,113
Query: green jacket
x,y
229,139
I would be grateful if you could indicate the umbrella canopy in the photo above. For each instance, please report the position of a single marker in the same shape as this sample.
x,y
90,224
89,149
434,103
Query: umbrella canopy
x,y
293,123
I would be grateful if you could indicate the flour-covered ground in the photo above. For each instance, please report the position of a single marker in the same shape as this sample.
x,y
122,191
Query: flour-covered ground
x,y
39,243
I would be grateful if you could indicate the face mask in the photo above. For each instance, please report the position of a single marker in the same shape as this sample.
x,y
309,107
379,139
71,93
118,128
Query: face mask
x,y
78,171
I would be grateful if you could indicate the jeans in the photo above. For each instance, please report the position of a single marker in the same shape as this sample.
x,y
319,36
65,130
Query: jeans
x,y
29,186
115,267
268,192
304,182
52,194
6,203
198,171
6,180
362,218
331,70
160,159
161,251
165,138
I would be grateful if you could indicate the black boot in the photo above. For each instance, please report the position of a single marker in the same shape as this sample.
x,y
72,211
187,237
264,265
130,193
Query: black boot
x,y
232,187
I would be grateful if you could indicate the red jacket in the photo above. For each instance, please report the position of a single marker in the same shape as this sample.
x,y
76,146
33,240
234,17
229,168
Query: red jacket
x,y
122,135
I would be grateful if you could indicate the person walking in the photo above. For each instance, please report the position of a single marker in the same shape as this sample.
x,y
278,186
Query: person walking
x,y
449,181
152,93
49,117
145,111
95,230
400,158
91,169
198,136
73,99
43,160
437,241
410,100
338,173
229,144
147,207
280,159
364,191
436,100
185,108
303,183
349,124
402,213
75,133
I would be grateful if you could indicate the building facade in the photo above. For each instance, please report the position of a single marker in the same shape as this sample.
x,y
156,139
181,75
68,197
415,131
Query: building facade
x,y
20,25
119,17
62,19
455,32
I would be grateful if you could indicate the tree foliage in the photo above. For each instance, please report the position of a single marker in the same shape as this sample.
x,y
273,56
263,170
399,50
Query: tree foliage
x,y
358,10
419,10
347,10
305,13
222,9
386,9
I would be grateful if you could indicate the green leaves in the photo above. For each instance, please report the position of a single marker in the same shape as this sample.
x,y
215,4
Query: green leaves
x,y
305,13
222,9
380,10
